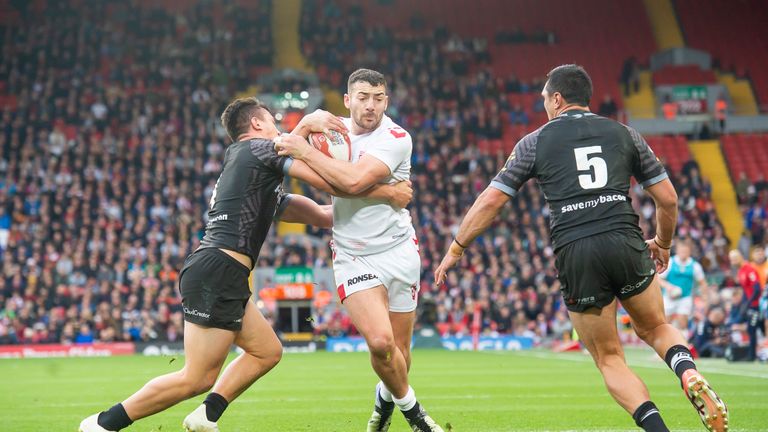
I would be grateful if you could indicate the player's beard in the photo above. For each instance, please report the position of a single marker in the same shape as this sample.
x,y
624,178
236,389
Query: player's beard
x,y
376,122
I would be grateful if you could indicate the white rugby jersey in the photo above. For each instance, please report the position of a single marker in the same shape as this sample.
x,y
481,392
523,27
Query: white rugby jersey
x,y
364,226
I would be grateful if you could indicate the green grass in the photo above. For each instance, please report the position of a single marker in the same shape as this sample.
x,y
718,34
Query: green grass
x,y
533,390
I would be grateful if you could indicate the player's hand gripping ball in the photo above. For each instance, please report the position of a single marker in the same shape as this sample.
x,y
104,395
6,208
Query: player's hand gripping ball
x,y
332,144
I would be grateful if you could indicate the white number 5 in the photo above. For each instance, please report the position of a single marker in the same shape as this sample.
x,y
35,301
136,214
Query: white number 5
x,y
586,163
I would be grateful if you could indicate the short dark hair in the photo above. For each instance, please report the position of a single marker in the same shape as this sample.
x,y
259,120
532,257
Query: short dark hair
x,y
237,115
572,82
369,76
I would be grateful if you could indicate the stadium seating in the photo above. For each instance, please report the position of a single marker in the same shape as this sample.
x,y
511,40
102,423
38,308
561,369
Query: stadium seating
x,y
740,34
672,150
616,31
746,153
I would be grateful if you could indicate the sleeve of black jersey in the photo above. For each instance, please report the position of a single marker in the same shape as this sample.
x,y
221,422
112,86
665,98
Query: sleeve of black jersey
x,y
282,203
647,169
264,150
519,166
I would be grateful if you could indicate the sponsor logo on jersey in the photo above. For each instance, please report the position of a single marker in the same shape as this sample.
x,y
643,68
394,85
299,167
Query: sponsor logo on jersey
x,y
414,290
221,217
362,278
592,203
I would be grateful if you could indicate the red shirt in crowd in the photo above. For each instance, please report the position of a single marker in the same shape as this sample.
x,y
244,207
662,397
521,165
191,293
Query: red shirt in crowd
x,y
750,281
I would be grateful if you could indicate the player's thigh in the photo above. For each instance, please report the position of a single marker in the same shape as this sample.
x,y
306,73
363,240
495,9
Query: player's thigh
x,y
257,337
646,309
597,330
205,349
369,311
402,328
399,270
628,262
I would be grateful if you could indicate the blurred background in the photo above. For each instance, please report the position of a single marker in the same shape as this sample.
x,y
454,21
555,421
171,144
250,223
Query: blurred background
x,y
110,146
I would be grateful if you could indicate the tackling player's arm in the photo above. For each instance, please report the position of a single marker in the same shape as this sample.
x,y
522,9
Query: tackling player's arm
x,y
516,171
318,121
300,209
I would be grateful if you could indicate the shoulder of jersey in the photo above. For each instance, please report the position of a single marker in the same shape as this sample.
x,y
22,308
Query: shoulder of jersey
x,y
389,127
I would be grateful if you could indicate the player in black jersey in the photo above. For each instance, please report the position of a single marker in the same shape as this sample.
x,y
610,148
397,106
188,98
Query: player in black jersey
x,y
214,281
583,163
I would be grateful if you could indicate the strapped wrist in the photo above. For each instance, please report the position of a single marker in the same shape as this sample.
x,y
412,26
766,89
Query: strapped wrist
x,y
456,239
668,245
456,249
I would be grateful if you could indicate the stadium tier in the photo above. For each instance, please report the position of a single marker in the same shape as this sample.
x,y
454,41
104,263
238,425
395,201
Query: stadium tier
x,y
740,33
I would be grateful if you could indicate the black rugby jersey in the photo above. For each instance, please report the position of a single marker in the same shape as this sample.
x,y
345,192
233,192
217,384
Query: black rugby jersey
x,y
583,163
246,197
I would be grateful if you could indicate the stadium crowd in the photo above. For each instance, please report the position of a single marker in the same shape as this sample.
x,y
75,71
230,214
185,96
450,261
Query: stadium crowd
x,y
109,158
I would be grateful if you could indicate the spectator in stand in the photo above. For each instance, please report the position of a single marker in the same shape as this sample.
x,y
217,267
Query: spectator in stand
x,y
745,190
748,308
760,263
721,112
669,108
630,76
608,107
518,116
711,336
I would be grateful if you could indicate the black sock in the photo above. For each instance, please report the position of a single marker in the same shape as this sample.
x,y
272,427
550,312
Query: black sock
x,y
647,417
413,413
679,359
215,404
114,418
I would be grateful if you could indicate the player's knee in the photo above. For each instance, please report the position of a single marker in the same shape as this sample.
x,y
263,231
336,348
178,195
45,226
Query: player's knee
x,y
382,345
273,357
645,332
642,333
407,356
194,386
609,359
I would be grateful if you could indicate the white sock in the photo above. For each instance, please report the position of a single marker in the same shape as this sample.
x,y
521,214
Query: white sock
x,y
407,402
384,392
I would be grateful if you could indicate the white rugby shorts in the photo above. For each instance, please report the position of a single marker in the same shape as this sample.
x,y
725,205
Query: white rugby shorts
x,y
398,269
678,306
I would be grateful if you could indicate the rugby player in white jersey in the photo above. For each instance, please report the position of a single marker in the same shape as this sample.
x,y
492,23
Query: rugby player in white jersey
x,y
376,259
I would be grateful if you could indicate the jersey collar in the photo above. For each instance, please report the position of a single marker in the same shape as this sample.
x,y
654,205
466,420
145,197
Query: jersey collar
x,y
576,113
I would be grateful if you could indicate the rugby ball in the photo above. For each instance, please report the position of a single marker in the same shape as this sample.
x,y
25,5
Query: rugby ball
x,y
333,144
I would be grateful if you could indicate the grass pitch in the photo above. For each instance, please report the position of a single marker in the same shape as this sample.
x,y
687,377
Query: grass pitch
x,y
471,391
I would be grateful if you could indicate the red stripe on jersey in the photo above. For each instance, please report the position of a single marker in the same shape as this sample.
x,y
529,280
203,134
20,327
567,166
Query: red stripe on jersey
x,y
342,293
